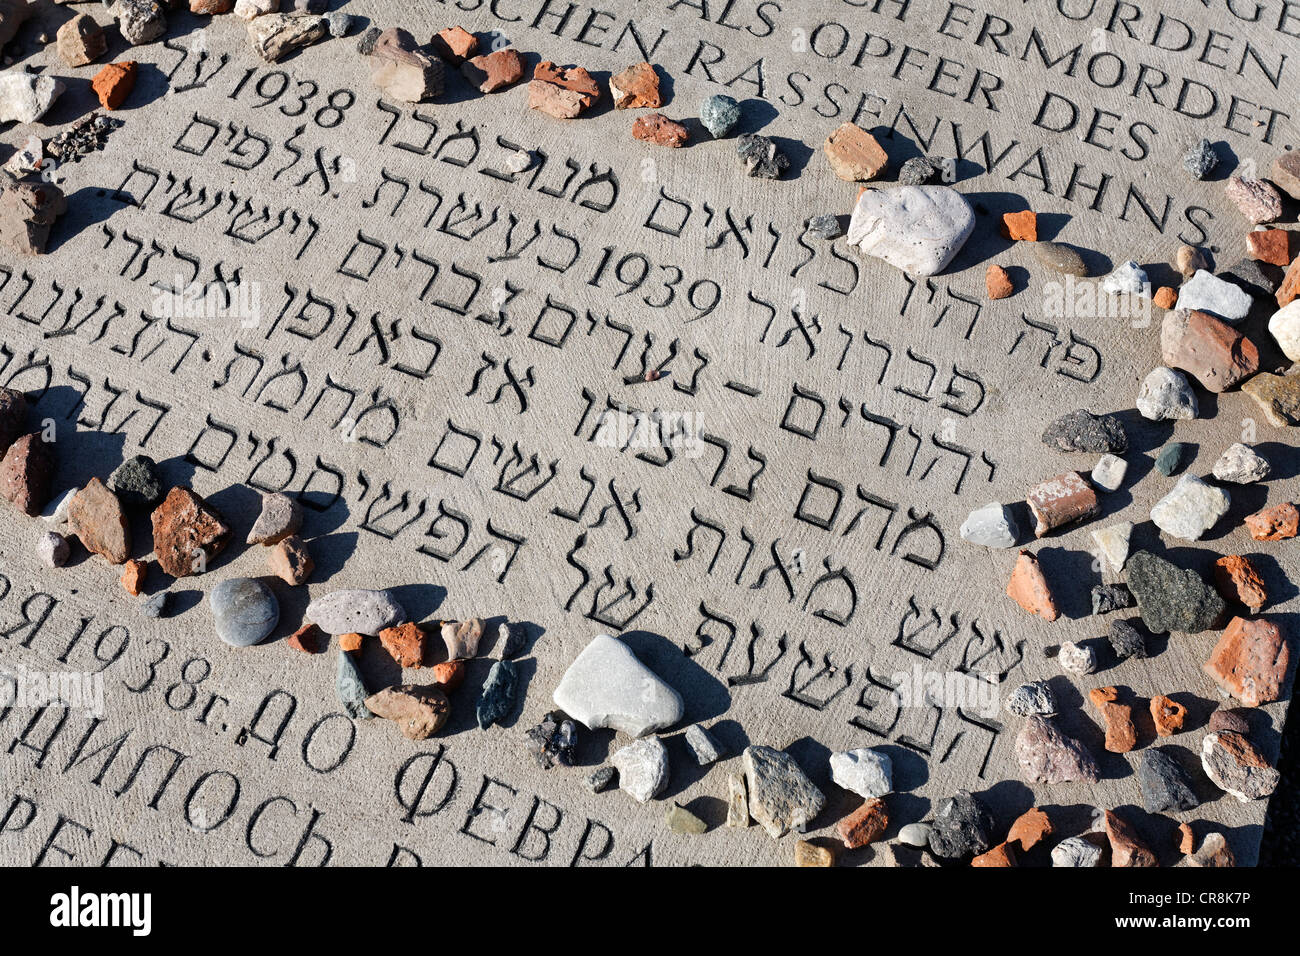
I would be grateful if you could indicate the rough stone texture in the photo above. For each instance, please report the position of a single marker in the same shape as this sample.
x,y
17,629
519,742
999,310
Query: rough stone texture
x,y
402,70
290,561
350,687
1172,598
1030,828
606,686
997,283
1236,767
1112,544
963,826
1284,326
52,549
133,575
1126,641
853,154
1190,509
866,772
562,92
737,802
81,40
1242,465
1110,597
356,611
1077,658
13,417
1236,579
496,701
244,611
642,768
761,157
1173,457
1212,352
681,820
807,854
494,71
1045,754
1029,588
26,472
1126,847
1167,715
404,643
281,516
1061,500
114,83
1121,733
1278,397
1200,159
551,742
1269,245
703,746
1076,851
308,639
918,229
1256,199
719,113
1274,524
419,711
1250,661
136,482
277,35
139,21
27,212
660,130
454,44
1208,293
1166,394
1214,851
992,526
187,533
95,516
1034,698
462,637
1081,430
1020,226
636,87
864,825
781,797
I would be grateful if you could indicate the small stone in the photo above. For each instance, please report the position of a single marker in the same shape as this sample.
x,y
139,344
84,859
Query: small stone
x,y
187,533
1269,245
1256,278
1081,430
1200,159
1190,260
1061,500
28,210
1167,715
1032,699
251,9
918,171
13,417
1028,588
1215,354
276,35
95,516
1236,579
351,642
824,227
1002,855
26,97
1060,258
404,643
1186,841
52,549
636,87
511,637
562,92
1110,597
1230,718
1284,326
155,606
1047,755
1121,733
1167,394
1191,508
1030,828
1077,658
1289,288
518,161
915,834
449,675
918,229
402,70
660,130
26,473
1172,457
497,700
719,113
136,482
1236,767
1165,298
454,44
462,638
351,688
308,639
1127,641
113,84
866,772
1278,396
1076,851
681,820
864,825
1128,278
737,802
781,797
281,517
133,574
1257,200
1020,226
1108,474
606,686
1209,293
552,741
1241,464
339,24
642,768
997,283
963,826
808,854
1112,544
365,43
991,526
1277,523
1172,598
762,158
139,21
1126,847
290,561
1214,851
494,71
56,512
703,746
419,711
81,40
601,778
854,154
244,611
1250,661
354,610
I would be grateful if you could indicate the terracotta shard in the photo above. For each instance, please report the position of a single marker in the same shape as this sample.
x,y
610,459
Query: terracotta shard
x,y
1061,500
1250,661
1028,588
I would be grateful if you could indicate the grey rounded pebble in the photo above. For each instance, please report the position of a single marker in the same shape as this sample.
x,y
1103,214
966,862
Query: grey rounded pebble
x,y
355,611
601,778
155,605
719,114
915,834
1034,698
1200,159
1059,258
340,24
244,611
136,482
52,549
1171,458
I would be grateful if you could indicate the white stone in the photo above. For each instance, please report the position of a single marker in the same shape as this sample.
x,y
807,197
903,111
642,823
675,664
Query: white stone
x,y
1077,658
1112,543
355,611
251,9
918,229
1241,464
992,526
915,834
1076,851
866,772
56,512
642,768
781,797
606,686
1206,292
1190,509
25,97
1128,279
1284,326
1108,474
1166,394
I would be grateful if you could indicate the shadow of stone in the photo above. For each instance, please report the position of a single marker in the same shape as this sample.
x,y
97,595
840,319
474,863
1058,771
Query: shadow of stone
x,y
704,695
330,553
